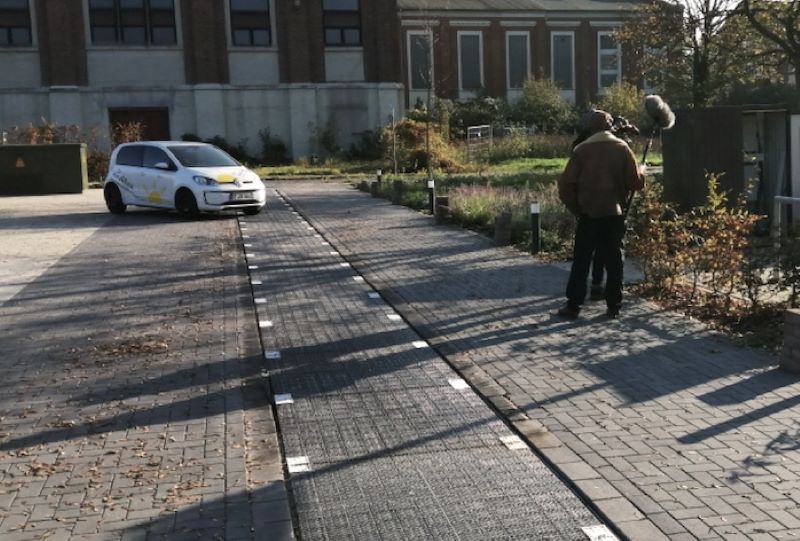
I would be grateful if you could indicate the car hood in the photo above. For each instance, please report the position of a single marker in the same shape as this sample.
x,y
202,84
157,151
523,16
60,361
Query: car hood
x,y
224,175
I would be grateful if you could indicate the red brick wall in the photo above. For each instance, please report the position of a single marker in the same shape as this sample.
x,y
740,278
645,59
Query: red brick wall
x,y
300,41
62,42
494,53
205,41
494,59
379,28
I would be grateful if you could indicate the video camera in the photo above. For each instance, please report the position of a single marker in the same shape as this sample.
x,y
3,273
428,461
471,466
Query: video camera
x,y
623,129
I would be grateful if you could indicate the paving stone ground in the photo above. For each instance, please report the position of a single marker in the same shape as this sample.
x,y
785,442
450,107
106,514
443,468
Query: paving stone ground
x,y
380,440
670,429
132,404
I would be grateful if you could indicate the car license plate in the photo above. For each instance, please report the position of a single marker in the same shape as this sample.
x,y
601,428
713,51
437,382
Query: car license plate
x,y
241,196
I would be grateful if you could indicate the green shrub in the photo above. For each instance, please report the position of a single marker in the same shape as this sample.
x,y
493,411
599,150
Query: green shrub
x,y
238,151
477,112
542,105
273,150
411,147
371,145
625,100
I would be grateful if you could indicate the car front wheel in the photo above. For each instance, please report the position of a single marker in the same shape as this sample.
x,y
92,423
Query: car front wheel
x,y
113,199
186,204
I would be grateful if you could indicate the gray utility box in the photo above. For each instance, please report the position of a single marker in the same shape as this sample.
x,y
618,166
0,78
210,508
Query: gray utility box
x,y
43,169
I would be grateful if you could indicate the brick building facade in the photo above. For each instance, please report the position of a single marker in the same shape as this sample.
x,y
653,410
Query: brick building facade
x,y
494,45
297,68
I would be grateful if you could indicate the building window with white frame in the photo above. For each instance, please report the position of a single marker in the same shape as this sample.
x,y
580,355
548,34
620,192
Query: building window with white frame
x,y
419,60
608,61
562,58
470,63
342,22
250,23
518,59
132,22
15,23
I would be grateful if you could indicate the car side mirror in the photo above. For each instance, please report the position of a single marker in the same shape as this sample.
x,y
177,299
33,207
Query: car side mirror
x,y
163,165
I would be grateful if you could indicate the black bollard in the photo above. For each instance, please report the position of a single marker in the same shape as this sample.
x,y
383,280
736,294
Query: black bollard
x,y
536,236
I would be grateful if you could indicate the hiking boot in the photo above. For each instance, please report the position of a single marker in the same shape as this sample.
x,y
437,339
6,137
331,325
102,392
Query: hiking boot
x,y
612,313
568,312
597,292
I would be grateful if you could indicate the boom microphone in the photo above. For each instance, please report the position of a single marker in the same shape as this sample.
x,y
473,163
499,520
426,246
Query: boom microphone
x,y
663,119
658,110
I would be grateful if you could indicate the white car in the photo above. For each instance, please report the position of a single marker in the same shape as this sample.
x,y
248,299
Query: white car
x,y
188,177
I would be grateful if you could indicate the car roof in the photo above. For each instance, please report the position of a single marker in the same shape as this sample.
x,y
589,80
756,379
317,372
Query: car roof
x,y
168,143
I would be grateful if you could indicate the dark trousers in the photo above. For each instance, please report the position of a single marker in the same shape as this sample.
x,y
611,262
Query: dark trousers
x,y
603,235
598,268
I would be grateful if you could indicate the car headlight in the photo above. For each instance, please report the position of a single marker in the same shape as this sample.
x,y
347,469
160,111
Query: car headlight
x,y
204,181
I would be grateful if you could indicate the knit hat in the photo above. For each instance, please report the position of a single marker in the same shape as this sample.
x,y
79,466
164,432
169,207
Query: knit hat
x,y
599,121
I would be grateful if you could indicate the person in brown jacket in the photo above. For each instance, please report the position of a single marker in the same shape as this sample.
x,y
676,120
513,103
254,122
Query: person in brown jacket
x,y
594,186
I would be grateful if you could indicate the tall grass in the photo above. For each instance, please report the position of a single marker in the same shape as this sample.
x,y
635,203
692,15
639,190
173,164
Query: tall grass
x,y
476,206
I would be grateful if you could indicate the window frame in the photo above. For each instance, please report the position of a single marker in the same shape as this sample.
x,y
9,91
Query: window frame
x,y
148,26
553,35
167,159
466,93
527,35
31,28
130,148
342,29
427,34
606,52
272,30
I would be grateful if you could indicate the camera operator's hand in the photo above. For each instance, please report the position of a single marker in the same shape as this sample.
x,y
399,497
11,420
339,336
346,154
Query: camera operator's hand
x,y
643,169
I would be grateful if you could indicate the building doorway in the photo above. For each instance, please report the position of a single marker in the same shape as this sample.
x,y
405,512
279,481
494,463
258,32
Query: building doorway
x,y
154,121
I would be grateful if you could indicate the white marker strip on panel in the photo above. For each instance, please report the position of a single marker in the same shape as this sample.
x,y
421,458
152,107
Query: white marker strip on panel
x,y
261,300
281,399
248,245
333,253
345,264
374,295
252,267
394,317
297,464
256,282
272,354
458,383
265,324
599,532
419,344
358,278
514,443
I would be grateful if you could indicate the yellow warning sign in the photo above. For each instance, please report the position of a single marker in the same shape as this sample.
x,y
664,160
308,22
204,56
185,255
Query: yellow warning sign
x,y
20,162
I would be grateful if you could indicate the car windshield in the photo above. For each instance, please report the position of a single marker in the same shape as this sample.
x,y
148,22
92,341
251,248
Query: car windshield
x,y
201,156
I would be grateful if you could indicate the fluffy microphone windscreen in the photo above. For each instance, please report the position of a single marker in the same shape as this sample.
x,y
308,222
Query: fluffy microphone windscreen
x,y
659,111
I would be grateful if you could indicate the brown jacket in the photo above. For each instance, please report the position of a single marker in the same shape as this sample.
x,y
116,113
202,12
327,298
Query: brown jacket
x,y
600,174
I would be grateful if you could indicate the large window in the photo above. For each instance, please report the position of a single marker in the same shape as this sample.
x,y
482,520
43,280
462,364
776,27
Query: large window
x,y
132,22
419,60
470,61
15,23
250,23
342,22
517,58
608,61
563,59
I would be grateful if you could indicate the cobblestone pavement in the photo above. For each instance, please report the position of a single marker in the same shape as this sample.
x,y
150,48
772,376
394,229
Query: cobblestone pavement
x,y
132,404
383,440
672,431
